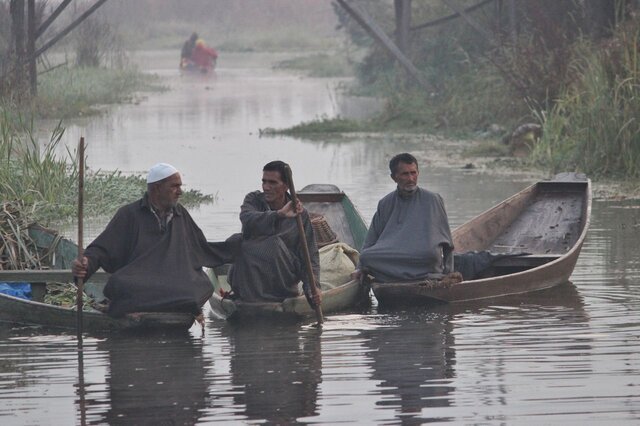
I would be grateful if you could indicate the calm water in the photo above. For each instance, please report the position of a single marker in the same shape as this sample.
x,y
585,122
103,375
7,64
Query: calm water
x,y
569,355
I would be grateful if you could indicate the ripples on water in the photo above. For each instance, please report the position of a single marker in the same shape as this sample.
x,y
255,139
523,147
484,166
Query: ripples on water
x,y
568,355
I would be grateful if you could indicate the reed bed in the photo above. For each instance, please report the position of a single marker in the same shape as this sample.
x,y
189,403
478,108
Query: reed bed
x,y
17,249
69,92
46,183
594,127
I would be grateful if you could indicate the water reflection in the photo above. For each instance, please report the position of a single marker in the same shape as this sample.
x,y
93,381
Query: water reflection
x,y
155,380
522,350
276,369
434,364
414,359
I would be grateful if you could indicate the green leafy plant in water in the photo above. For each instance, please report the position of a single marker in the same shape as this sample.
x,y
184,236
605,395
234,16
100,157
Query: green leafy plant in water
x,y
319,65
319,125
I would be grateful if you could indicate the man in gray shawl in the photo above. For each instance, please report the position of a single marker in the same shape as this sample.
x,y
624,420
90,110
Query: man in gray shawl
x,y
409,237
155,253
270,263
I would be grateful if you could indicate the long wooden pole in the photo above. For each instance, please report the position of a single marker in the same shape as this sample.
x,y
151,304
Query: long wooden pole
x,y
375,31
69,28
305,247
80,281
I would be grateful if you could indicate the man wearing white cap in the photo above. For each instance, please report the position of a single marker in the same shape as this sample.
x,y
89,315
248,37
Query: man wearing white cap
x,y
154,251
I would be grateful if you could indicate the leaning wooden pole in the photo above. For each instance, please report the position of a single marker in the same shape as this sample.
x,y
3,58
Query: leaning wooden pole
x,y
305,247
80,281
69,28
374,30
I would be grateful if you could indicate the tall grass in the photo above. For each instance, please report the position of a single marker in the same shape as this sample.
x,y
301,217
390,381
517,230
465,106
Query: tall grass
x,y
319,65
67,92
594,127
45,184
32,175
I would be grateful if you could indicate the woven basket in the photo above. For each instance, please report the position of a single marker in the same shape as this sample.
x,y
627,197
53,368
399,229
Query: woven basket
x,y
321,229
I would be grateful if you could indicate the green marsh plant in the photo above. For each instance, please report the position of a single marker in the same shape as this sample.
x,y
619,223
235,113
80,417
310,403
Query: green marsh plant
x,y
45,183
594,127
68,92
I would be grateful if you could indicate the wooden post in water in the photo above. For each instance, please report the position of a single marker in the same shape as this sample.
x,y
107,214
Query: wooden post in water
x,y
80,281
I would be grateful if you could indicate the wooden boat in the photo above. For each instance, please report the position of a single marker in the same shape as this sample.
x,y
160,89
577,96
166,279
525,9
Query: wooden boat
x,y
35,312
345,220
548,221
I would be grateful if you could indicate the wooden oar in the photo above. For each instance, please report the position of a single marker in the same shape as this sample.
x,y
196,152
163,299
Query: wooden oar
x,y
80,281
305,248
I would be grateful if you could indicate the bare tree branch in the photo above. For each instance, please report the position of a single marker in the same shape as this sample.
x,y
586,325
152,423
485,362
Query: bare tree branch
x,y
450,17
69,28
509,75
369,25
470,21
52,17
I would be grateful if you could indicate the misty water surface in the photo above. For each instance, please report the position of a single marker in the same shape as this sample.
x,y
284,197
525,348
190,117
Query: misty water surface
x,y
563,356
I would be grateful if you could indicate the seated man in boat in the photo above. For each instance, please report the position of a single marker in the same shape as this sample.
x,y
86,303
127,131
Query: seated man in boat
x,y
409,237
154,251
270,262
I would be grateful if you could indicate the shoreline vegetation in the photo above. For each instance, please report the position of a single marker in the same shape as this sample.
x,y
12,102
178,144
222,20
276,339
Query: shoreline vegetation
x,y
43,185
580,112
583,92
67,92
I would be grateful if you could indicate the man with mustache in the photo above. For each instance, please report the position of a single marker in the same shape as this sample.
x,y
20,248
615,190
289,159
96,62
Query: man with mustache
x,y
271,263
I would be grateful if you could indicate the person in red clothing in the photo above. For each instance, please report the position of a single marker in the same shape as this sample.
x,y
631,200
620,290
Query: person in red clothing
x,y
204,57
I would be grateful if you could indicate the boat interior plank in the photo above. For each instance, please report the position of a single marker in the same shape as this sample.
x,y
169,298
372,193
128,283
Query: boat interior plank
x,y
551,224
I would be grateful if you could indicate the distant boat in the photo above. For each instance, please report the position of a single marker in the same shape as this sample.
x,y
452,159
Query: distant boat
x,y
347,223
195,70
542,226
31,312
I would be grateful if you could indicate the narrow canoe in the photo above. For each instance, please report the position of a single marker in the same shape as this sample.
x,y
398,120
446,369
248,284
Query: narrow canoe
x,y
35,312
548,221
345,220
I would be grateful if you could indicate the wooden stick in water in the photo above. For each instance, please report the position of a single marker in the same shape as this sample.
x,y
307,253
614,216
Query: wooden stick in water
x,y
305,248
80,281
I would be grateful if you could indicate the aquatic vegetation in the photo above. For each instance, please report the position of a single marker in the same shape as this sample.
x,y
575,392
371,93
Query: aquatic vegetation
x,y
319,125
318,65
46,183
68,92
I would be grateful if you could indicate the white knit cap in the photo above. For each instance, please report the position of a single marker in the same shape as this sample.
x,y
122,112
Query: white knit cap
x,y
160,171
